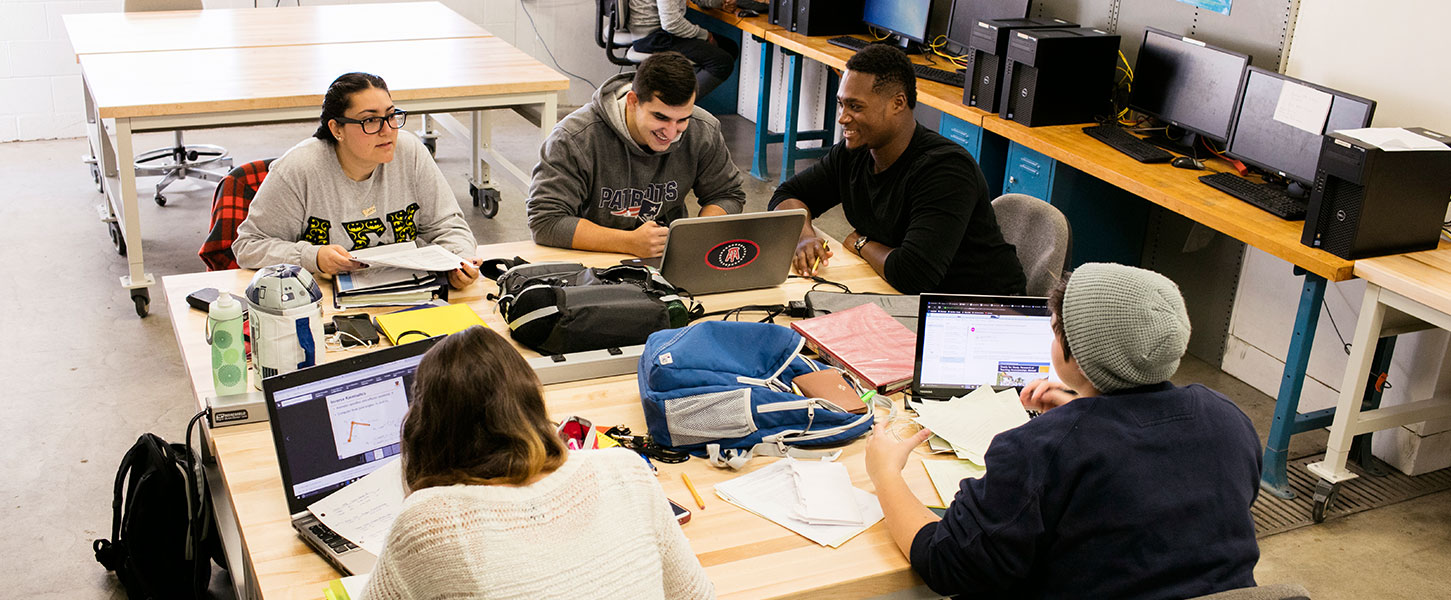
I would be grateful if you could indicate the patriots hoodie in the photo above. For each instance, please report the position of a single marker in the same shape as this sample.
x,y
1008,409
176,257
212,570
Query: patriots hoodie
x,y
590,168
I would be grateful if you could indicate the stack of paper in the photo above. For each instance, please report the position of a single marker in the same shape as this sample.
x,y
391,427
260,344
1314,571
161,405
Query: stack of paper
x,y
385,286
947,476
772,493
971,422
824,494
409,255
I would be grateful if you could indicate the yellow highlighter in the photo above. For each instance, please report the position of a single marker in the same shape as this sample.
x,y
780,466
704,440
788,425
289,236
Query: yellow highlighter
x,y
817,263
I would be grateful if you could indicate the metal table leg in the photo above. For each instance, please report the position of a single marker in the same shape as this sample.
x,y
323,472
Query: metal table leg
x,y
763,113
1287,421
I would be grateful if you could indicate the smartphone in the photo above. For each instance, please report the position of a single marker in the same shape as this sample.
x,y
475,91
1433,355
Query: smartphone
x,y
359,330
202,298
682,514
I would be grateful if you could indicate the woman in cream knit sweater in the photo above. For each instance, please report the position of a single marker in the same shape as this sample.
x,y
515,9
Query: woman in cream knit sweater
x,y
499,508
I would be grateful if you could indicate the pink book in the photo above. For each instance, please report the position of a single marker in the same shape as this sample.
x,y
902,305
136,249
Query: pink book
x,y
865,341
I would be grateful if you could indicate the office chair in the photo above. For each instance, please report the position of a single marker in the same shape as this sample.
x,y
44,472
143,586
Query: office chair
x,y
1042,236
1278,591
230,204
612,32
178,161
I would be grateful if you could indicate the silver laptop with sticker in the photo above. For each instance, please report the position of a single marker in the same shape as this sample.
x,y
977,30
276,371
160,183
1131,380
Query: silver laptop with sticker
x,y
726,253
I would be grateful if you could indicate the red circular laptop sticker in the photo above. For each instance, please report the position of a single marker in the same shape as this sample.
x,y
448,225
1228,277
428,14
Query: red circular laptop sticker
x,y
734,254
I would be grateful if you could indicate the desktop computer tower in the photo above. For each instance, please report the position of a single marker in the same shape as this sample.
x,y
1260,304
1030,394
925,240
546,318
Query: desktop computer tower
x,y
781,12
1371,202
826,17
985,52
1058,76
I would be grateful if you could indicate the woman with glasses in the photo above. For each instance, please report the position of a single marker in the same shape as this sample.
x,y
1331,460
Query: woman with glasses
x,y
498,508
356,183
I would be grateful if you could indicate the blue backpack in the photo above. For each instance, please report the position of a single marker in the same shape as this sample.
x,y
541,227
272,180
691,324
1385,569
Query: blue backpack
x,y
722,389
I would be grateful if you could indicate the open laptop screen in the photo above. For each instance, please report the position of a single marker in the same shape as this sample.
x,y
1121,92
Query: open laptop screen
x,y
966,341
334,422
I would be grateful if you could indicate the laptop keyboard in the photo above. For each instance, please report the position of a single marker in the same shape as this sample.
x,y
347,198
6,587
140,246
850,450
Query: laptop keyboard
x,y
332,539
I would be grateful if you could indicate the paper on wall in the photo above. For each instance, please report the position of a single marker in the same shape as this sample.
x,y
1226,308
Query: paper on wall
x,y
1303,107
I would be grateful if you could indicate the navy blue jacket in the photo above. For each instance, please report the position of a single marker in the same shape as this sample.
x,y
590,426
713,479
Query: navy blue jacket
x,y
1144,493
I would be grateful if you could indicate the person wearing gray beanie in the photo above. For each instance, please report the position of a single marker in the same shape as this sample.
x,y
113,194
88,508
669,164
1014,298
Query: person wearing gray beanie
x,y
1126,486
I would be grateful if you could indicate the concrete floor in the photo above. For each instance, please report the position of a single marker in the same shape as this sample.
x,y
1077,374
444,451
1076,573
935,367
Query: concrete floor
x,y
85,376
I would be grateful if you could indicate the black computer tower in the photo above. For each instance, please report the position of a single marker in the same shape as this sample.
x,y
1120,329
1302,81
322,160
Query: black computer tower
x,y
1058,76
781,12
985,53
827,17
1371,202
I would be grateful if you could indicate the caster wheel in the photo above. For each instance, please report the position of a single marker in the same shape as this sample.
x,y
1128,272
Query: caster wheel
x,y
432,145
1325,494
96,179
117,238
142,299
487,199
160,200
191,156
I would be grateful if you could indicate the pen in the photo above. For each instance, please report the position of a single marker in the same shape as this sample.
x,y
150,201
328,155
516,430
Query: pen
x,y
690,486
817,263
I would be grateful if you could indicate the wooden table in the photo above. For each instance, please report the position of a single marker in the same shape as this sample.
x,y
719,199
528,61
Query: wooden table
x,y
147,74
1403,293
746,556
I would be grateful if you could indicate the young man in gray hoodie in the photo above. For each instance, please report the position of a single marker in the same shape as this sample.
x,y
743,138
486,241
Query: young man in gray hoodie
x,y
614,174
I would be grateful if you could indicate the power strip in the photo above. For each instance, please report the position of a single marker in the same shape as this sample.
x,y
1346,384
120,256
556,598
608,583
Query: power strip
x,y
576,366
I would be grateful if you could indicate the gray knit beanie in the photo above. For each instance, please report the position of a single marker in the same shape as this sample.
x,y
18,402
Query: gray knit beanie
x,y
1126,326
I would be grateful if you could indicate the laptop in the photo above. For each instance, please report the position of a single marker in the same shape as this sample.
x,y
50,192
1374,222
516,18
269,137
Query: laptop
x,y
966,341
334,423
727,253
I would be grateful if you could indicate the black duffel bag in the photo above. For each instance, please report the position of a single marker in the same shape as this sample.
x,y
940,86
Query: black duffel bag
x,y
563,307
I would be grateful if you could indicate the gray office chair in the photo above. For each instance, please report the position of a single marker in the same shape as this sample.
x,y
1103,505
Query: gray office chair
x,y
1278,591
612,32
1041,235
179,161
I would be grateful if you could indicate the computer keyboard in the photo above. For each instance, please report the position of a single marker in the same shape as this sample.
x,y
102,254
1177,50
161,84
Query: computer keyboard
x,y
331,538
1127,143
942,76
1270,199
846,41
753,5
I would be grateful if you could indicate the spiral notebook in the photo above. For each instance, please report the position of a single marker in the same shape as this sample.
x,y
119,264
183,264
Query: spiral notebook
x,y
866,342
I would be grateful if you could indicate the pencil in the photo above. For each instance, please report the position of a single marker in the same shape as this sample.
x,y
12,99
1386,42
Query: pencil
x,y
690,486
817,262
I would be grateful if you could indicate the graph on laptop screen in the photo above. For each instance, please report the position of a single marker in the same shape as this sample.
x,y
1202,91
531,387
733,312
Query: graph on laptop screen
x,y
906,18
966,342
1282,121
1187,83
335,430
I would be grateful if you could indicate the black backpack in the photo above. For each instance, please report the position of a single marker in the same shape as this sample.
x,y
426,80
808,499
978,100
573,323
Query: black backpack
x,y
163,534
563,307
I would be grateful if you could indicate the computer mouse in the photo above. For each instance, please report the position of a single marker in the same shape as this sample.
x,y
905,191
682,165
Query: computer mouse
x,y
1186,162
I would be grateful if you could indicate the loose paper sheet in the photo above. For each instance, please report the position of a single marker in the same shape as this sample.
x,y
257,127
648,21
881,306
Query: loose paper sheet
x,y
770,492
970,422
1394,139
364,511
1303,107
824,494
947,476
409,256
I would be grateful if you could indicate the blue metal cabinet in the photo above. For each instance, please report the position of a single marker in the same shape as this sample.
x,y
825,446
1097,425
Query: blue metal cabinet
x,y
1108,223
987,148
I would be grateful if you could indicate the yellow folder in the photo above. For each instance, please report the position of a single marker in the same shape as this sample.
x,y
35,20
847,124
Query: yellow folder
x,y
413,325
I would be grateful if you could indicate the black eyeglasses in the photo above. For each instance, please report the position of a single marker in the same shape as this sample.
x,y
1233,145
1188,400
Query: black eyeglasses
x,y
372,125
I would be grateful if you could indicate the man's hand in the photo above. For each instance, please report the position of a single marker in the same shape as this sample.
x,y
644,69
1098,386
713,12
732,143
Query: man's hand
x,y
648,240
728,6
885,455
333,259
811,254
466,274
1042,395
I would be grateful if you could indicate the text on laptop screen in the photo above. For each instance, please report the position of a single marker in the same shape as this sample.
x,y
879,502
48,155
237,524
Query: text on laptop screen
x,y
363,411
966,344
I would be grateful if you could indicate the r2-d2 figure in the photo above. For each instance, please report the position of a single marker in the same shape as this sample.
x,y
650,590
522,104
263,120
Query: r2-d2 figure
x,y
285,305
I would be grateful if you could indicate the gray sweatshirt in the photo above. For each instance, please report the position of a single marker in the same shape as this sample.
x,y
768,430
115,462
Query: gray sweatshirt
x,y
307,202
648,15
590,168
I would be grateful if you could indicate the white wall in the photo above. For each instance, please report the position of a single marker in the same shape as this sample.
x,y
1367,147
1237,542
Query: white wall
x,y
1391,51
40,84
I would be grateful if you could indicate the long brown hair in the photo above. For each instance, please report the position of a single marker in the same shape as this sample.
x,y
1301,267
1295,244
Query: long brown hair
x,y
477,416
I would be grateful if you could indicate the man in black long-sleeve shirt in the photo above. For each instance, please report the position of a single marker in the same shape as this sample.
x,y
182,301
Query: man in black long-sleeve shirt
x,y
917,200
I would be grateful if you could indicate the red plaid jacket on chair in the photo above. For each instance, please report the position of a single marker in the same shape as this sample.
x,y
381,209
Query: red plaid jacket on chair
x,y
229,207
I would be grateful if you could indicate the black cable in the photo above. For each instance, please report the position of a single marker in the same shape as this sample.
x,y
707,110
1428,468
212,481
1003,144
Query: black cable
x,y
823,281
1343,344
546,46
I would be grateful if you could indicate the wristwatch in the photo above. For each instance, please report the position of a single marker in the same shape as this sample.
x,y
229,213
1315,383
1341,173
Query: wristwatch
x,y
861,240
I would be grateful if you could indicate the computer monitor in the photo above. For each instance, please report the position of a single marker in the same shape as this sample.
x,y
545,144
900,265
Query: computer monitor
x,y
1187,83
966,14
1272,127
905,18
